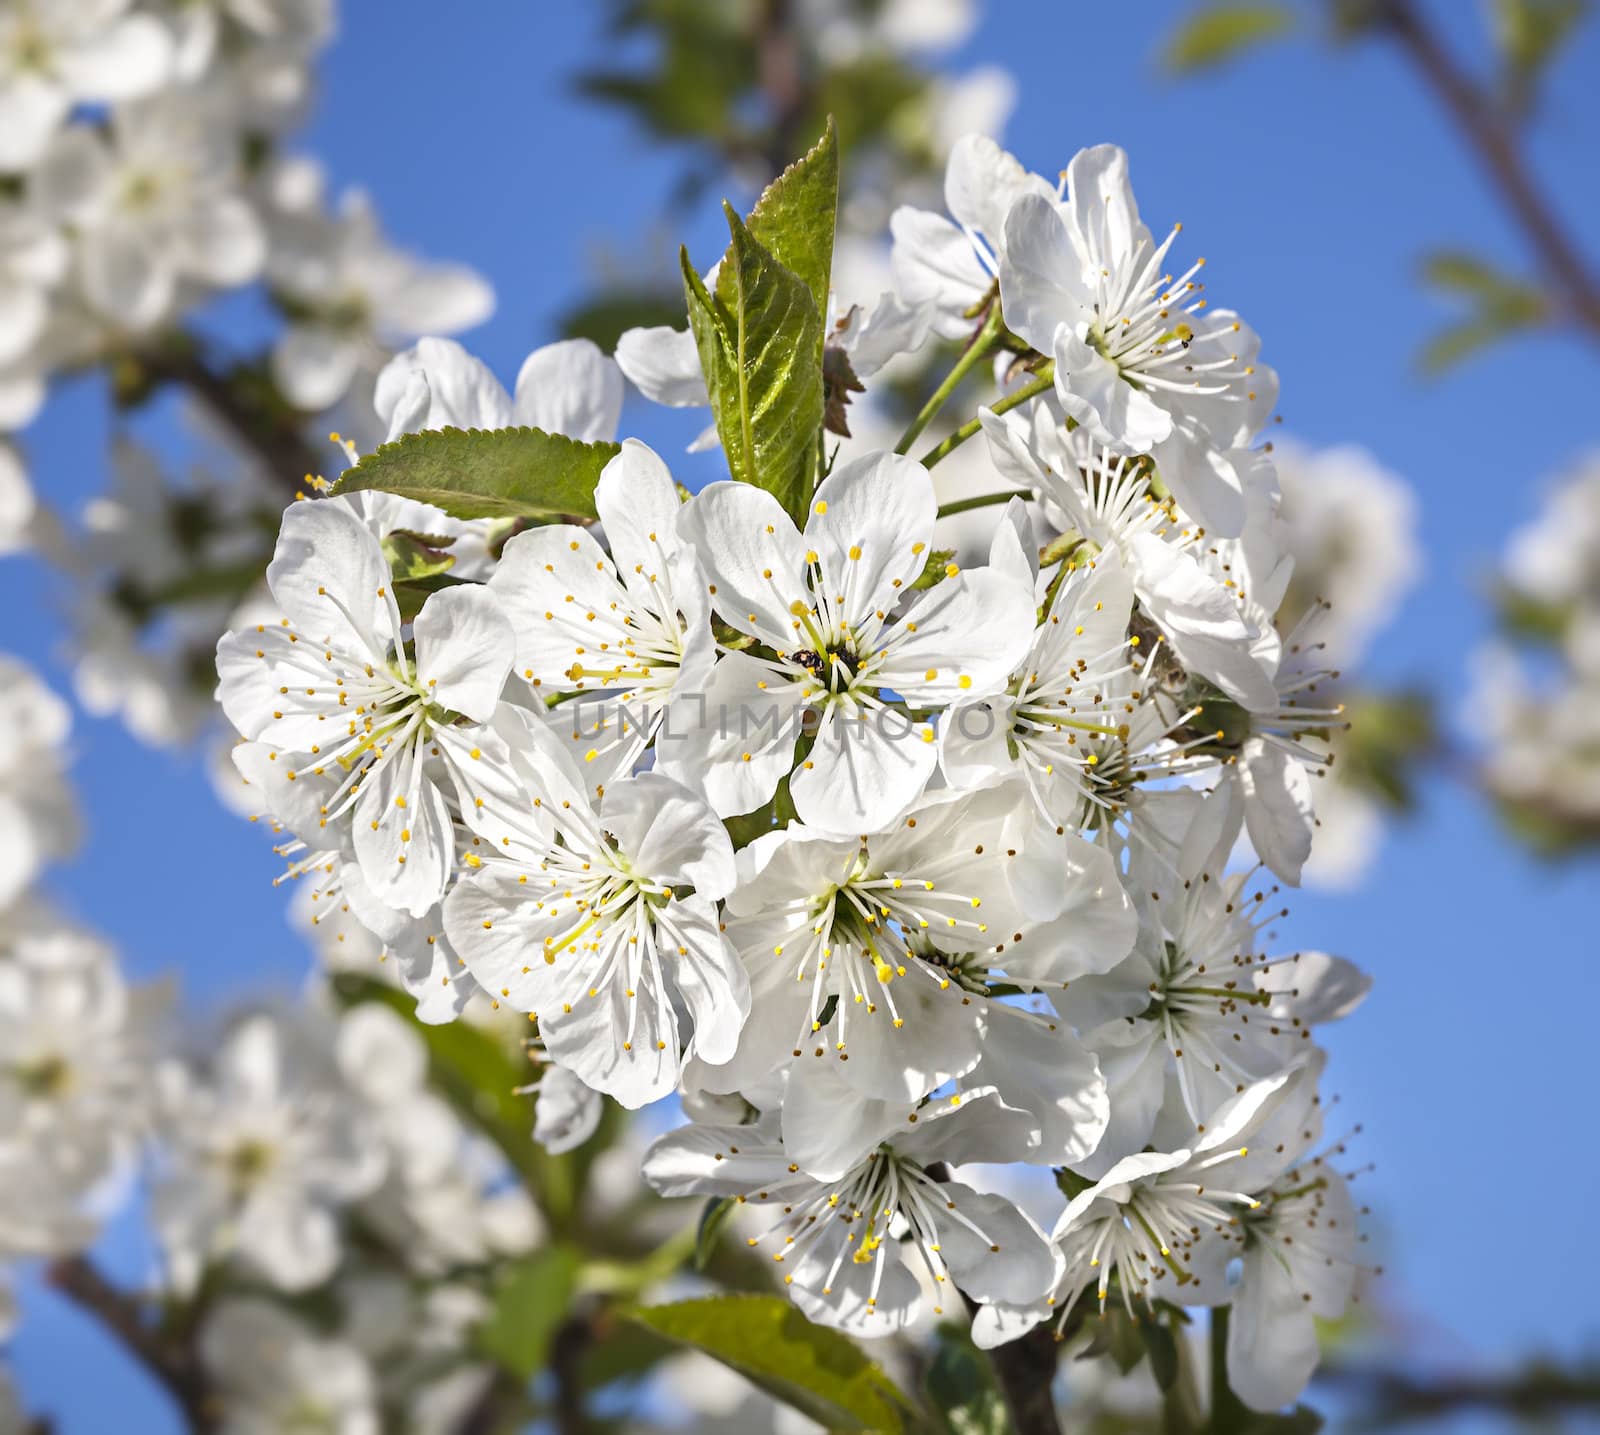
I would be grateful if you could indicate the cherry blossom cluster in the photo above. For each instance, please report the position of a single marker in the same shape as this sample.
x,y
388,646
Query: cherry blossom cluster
x,y
891,863
301,1148
1535,708
147,166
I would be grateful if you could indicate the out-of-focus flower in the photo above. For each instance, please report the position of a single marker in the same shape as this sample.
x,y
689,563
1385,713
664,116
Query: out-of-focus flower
x,y
352,298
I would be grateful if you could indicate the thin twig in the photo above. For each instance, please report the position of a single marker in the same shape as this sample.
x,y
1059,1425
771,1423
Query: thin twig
x,y
274,438
175,1366
1489,134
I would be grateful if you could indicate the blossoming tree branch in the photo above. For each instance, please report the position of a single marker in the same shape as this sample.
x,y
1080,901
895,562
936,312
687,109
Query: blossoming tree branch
x,y
904,874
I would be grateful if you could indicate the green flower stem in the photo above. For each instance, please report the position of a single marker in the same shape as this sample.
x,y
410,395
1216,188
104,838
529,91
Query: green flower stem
x,y
982,500
982,342
1045,380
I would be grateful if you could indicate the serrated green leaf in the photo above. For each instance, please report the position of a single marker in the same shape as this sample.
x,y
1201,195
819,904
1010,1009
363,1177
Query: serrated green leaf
x,y
529,1304
761,352
1219,33
415,556
478,473
819,1372
795,218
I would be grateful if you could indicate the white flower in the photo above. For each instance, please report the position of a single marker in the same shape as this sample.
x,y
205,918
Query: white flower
x,y
567,1113
1107,498
352,296
273,1374
33,262
1297,1266
828,604
55,54
1138,363
261,1155
870,957
572,915
1198,998
629,631
446,1201
75,1048
1164,1224
1556,557
155,204
38,818
568,388
1351,527
847,1244
380,724
951,268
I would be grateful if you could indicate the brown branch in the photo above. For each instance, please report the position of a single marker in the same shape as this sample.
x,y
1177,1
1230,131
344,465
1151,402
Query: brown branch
x,y
568,1349
1485,126
269,431
175,1366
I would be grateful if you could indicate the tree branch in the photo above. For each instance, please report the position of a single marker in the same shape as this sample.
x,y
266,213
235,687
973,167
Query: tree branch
x,y
174,1366
262,427
1484,126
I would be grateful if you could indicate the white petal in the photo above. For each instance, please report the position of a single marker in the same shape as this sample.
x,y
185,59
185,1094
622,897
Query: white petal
x,y
570,388
1037,1065
326,573
222,241
1041,275
669,834
314,365
865,768
566,1113
125,277
32,108
1272,1337
935,268
736,740
753,556
128,58
1005,1259
664,365
465,647
406,853
828,1126
1278,813
638,503
870,525
707,974
438,299
964,637
437,384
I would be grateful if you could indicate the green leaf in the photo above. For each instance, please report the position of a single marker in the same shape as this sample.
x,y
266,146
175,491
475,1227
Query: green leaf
x,y
1459,342
1219,33
477,473
605,317
1162,1348
529,1305
961,1387
819,1372
761,352
415,556
1463,273
795,218
1529,35
712,1219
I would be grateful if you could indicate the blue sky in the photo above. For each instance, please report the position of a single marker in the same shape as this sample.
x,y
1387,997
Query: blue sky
x,y
1313,180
